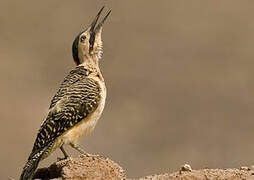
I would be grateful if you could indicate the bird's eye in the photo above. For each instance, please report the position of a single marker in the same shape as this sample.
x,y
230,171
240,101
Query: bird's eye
x,y
82,38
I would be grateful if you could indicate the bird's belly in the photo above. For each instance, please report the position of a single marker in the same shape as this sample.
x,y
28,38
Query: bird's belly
x,y
80,130
86,125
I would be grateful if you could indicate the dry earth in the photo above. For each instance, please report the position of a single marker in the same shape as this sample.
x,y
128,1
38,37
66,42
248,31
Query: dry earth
x,y
105,169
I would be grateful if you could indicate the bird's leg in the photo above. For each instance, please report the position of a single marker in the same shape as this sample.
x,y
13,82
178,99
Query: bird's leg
x,y
64,152
83,152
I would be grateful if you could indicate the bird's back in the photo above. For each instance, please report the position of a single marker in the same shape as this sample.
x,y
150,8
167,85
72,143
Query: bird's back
x,y
76,99
73,105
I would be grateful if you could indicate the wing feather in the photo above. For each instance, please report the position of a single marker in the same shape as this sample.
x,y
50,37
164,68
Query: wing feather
x,y
77,97
75,75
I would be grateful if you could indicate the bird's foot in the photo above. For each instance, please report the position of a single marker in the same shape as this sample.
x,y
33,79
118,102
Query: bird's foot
x,y
64,158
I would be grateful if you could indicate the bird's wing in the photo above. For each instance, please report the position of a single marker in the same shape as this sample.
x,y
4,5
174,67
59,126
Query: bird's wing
x,y
74,75
76,103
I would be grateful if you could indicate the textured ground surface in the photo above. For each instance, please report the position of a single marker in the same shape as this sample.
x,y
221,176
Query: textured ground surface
x,y
105,169
82,168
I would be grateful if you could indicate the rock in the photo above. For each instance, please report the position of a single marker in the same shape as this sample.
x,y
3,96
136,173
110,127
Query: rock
x,y
100,168
82,168
245,168
186,167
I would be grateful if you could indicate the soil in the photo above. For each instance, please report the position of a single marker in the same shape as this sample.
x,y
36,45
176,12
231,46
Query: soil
x,y
102,168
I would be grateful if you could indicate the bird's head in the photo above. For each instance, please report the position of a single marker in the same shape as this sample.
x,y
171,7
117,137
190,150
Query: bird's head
x,y
87,45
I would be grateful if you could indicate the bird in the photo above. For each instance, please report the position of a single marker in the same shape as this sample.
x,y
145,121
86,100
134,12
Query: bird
x,y
78,103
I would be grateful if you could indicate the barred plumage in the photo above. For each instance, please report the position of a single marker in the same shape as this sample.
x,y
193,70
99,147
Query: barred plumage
x,y
77,97
78,103
74,75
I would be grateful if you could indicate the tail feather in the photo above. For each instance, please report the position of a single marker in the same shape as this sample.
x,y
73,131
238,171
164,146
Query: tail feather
x,y
30,167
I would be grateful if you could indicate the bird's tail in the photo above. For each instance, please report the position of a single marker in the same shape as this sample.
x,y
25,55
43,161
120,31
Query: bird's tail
x,y
30,166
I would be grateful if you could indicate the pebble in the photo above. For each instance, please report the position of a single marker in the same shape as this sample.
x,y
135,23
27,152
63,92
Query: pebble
x,y
244,168
186,167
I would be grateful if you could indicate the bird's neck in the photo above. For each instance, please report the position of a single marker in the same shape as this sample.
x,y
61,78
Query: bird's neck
x,y
92,64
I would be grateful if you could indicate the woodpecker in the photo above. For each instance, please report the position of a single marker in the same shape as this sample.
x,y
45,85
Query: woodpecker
x,y
77,105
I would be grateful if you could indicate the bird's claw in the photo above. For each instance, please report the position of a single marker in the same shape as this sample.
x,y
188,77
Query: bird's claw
x,y
64,158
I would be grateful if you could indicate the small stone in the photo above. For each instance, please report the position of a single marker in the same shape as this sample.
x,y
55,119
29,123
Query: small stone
x,y
244,168
252,167
186,167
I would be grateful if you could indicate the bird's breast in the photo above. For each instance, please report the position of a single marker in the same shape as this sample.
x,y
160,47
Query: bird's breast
x,y
87,125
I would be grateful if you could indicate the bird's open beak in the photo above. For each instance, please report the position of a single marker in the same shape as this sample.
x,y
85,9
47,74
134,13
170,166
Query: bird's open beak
x,y
95,29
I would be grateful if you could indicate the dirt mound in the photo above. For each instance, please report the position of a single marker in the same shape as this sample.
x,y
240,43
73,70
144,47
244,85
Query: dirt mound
x,y
106,169
82,168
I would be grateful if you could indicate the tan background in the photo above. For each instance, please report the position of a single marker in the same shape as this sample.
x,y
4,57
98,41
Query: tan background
x,y
179,74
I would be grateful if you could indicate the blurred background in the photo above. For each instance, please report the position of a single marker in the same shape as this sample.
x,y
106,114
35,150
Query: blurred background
x,y
179,76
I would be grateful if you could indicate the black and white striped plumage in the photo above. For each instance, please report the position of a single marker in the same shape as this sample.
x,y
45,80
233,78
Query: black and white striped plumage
x,y
77,98
78,103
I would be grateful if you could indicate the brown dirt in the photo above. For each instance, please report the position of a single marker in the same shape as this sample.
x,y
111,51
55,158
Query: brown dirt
x,y
82,168
106,169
